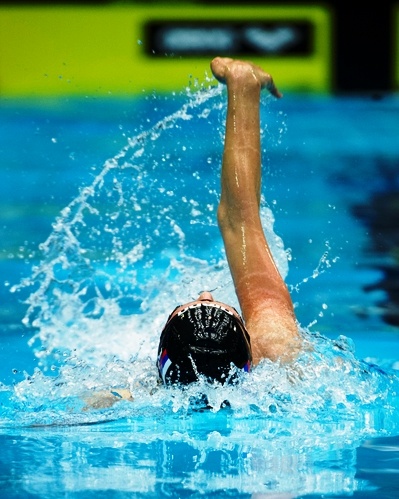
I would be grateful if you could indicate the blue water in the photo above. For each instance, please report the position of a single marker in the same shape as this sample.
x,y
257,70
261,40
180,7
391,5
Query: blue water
x,y
108,221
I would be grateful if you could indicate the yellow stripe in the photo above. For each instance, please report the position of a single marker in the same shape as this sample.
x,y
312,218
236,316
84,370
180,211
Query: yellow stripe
x,y
55,50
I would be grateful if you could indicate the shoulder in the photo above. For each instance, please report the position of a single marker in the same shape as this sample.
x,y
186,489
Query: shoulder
x,y
274,334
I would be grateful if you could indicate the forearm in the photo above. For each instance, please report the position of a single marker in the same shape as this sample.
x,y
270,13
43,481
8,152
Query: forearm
x,y
241,169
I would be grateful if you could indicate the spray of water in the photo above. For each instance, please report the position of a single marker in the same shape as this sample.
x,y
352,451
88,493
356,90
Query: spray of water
x,y
138,240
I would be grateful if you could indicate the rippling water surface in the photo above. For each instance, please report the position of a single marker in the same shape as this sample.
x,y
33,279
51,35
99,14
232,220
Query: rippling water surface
x,y
97,251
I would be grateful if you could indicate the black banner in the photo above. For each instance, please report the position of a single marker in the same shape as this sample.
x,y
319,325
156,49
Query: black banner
x,y
208,38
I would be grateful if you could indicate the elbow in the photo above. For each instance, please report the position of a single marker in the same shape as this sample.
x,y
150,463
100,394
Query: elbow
x,y
233,216
223,216
228,217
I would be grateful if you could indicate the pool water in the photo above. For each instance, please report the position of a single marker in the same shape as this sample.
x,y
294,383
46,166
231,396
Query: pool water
x,y
108,221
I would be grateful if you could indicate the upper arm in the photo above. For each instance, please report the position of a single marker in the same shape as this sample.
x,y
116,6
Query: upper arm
x,y
264,299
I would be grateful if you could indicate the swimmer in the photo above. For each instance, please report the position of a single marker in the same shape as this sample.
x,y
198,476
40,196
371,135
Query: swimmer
x,y
206,337
209,338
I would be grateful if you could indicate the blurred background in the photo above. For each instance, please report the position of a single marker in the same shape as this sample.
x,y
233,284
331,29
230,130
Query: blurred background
x,y
123,46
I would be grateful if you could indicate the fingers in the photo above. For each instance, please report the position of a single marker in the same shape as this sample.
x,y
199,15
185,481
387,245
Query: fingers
x,y
271,87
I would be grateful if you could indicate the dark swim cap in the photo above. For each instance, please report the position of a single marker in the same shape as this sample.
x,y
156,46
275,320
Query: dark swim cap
x,y
203,339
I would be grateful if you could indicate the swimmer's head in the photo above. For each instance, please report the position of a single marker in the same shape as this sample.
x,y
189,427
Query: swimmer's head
x,y
203,339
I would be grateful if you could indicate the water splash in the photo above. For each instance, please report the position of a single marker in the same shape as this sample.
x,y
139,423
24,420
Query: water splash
x,y
115,247
136,241
324,264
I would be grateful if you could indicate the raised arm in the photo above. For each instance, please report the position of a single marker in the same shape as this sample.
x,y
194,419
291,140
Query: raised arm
x,y
264,298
